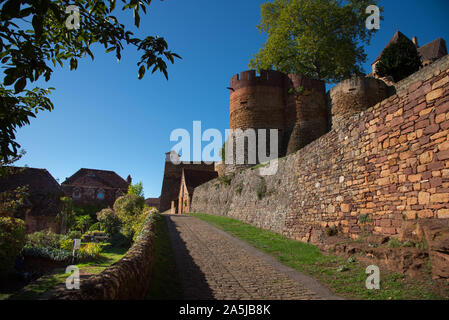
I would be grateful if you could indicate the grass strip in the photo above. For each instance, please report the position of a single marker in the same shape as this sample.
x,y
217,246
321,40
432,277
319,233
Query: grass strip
x,y
344,277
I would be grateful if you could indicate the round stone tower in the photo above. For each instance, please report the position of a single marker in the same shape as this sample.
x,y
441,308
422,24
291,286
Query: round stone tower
x,y
257,102
355,95
306,114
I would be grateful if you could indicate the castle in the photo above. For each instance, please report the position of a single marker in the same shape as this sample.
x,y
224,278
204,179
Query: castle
x,y
364,157
297,106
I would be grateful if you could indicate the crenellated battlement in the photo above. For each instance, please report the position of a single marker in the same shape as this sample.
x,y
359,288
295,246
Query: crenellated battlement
x,y
266,101
355,95
295,81
249,78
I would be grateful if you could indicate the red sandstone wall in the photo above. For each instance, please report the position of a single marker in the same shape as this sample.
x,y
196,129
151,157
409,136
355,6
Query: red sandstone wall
x,y
39,223
389,164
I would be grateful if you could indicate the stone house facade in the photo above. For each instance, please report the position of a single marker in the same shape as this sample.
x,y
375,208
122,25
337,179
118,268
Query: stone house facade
x,y
91,186
43,203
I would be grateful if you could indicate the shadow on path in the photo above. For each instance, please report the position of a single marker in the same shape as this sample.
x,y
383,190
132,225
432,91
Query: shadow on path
x,y
193,282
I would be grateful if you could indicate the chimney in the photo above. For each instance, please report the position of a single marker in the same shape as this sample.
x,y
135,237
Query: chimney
x,y
172,157
129,179
415,41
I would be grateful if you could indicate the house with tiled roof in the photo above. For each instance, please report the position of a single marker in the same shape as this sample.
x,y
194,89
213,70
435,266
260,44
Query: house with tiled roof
x,y
432,51
190,179
43,203
91,186
429,52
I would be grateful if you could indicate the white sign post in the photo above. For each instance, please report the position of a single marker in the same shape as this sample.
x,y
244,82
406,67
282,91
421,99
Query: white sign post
x,y
76,246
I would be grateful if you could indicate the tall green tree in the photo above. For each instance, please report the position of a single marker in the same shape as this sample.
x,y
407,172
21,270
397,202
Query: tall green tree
x,y
39,35
322,39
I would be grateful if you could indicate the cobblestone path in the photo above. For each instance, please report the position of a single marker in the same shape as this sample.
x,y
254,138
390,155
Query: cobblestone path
x,y
215,265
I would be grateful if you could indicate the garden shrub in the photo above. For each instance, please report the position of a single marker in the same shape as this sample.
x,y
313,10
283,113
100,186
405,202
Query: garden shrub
x,y
109,221
12,239
66,216
66,244
95,227
12,202
129,205
53,254
88,209
44,239
74,234
89,251
82,223
130,211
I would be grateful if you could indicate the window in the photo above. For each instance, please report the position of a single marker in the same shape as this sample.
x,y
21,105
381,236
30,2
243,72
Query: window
x,y
76,194
100,194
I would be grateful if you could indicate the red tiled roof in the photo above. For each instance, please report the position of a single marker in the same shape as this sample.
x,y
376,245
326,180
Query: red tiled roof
x,y
96,178
195,178
433,50
44,191
152,202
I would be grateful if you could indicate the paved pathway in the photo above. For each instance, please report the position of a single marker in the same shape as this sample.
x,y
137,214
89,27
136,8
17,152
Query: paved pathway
x,y
214,265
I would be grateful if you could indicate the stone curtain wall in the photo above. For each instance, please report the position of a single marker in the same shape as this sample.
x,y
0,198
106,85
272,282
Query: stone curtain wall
x,y
240,198
390,163
127,279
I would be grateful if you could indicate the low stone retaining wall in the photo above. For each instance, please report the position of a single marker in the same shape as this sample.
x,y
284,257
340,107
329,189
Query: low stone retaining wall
x,y
127,279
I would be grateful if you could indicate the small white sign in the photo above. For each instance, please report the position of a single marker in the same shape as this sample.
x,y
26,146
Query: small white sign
x,y
76,244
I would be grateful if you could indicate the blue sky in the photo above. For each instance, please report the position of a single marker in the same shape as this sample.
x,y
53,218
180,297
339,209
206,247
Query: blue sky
x,y
105,118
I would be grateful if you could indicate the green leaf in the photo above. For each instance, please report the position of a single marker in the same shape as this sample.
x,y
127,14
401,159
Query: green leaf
x,y
141,72
73,64
37,25
136,18
9,79
10,9
20,85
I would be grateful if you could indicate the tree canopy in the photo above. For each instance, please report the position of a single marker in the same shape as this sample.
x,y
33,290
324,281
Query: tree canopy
x,y
322,39
399,60
35,38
